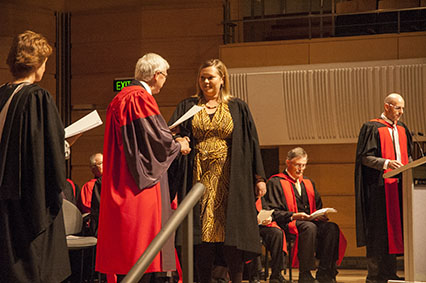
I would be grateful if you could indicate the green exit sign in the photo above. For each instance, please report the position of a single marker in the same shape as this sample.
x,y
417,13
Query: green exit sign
x,y
119,84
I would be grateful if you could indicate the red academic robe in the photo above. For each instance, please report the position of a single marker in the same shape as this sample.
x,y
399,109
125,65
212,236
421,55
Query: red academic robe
x,y
378,200
135,201
287,187
85,201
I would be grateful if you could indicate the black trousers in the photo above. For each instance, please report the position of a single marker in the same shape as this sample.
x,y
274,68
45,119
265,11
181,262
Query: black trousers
x,y
381,267
273,240
321,240
205,255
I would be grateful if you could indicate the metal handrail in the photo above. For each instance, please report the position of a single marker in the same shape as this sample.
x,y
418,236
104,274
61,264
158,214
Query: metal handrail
x,y
184,209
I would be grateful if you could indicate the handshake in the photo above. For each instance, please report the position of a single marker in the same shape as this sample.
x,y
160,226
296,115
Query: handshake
x,y
184,145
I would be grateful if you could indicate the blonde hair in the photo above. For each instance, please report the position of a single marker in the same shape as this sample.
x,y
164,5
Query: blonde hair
x,y
225,93
28,52
148,65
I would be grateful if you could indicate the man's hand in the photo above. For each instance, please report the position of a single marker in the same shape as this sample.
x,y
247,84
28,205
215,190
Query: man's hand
x,y
394,164
184,145
300,216
265,222
260,189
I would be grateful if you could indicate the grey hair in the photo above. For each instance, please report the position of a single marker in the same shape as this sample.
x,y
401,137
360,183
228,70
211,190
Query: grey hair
x,y
296,152
148,65
92,158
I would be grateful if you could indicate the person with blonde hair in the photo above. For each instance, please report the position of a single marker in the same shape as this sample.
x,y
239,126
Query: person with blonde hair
x,y
138,149
32,170
227,160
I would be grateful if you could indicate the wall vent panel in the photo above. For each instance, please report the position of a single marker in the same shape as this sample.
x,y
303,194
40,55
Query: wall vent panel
x,y
327,103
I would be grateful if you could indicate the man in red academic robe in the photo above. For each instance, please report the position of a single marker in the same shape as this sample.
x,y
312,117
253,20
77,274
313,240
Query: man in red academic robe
x,y
85,200
383,144
293,198
138,149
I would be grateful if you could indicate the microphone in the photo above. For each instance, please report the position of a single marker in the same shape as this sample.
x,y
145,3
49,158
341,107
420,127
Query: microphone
x,y
417,142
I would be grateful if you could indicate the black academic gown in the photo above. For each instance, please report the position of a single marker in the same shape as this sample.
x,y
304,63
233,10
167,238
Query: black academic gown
x,y
371,219
241,229
32,177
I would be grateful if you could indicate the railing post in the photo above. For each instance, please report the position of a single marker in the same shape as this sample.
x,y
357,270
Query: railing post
x,y
188,249
184,209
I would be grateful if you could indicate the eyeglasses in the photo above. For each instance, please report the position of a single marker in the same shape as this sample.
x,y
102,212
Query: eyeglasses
x,y
397,108
164,74
97,164
299,165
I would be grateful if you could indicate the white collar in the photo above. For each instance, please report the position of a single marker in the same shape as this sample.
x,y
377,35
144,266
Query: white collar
x,y
146,86
383,116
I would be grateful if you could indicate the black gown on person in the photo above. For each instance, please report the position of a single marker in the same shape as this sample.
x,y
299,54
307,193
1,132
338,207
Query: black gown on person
x,y
32,177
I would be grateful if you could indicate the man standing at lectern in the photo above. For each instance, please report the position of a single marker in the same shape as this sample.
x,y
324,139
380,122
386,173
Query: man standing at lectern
x,y
383,144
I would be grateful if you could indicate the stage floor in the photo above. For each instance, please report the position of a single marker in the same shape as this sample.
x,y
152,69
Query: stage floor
x,y
344,276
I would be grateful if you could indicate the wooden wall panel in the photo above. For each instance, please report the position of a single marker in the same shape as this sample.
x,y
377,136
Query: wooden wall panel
x,y
354,49
106,26
412,46
92,89
352,250
105,57
183,22
265,54
326,50
5,43
324,153
344,205
332,179
107,39
180,84
18,16
36,6
5,76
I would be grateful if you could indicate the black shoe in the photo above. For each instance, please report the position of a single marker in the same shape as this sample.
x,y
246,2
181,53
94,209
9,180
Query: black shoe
x,y
326,277
375,281
254,279
306,277
277,279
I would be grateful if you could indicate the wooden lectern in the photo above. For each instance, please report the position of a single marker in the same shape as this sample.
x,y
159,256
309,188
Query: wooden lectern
x,y
414,217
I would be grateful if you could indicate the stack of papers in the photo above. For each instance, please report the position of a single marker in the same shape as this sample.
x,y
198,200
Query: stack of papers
x,y
322,211
88,122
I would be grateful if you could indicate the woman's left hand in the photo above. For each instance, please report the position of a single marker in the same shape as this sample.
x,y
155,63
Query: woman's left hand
x,y
260,189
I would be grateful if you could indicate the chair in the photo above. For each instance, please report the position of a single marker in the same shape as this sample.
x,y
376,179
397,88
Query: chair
x,y
73,221
290,243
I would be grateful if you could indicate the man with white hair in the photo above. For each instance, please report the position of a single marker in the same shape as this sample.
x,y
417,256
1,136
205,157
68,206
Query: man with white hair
x,y
138,149
84,202
383,144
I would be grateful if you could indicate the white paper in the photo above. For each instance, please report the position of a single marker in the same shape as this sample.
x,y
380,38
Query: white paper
x,y
88,122
191,112
264,215
321,211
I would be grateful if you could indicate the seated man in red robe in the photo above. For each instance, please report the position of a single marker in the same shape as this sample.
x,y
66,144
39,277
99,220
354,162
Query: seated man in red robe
x,y
293,199
85,199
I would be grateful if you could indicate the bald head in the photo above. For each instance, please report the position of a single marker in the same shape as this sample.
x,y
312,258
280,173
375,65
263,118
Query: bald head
x,y
394,106
96,161
394,98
